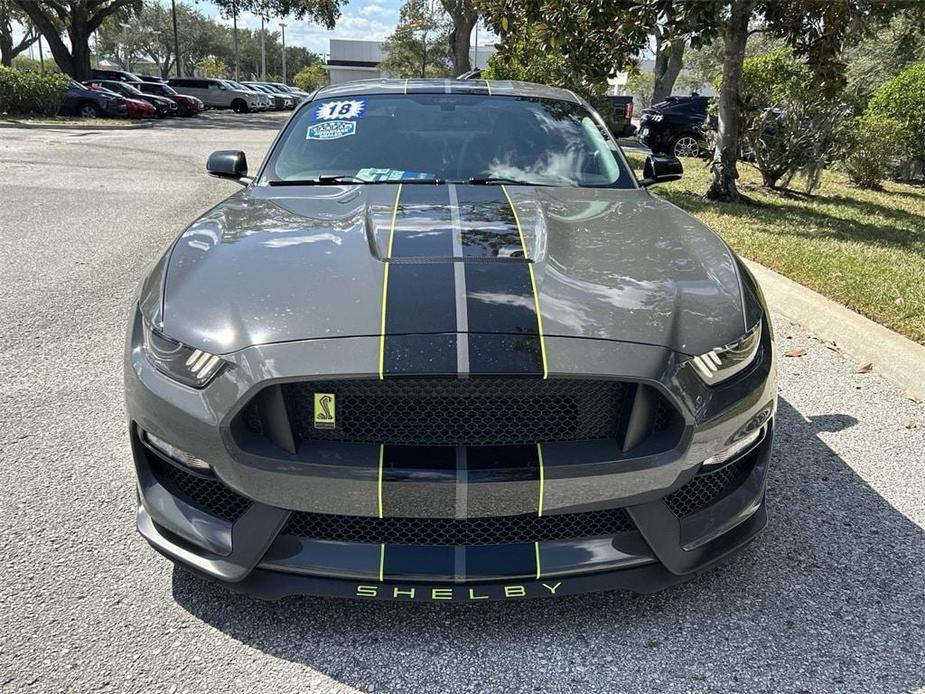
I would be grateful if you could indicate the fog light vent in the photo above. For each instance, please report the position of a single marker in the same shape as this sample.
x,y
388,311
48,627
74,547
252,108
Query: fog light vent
x,y
176,454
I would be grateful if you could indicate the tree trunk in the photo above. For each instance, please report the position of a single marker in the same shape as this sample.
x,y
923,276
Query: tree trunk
x,y
669,59
726,153
464,17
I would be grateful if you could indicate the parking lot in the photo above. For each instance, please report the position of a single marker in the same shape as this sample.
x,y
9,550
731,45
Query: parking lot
x,y
829,598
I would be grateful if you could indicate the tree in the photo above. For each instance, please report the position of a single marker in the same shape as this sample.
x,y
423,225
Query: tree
x,y
418,46
669,59
464,16
323,12
311,77
787,123
903,99
884,53
603,37
10,15
527,59
212,68
641,85
80,18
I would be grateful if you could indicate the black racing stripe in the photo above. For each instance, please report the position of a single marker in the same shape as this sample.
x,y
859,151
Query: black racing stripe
x,y
421,298
502,480
486,561
504,331
488,225
498,355
434,562
419,481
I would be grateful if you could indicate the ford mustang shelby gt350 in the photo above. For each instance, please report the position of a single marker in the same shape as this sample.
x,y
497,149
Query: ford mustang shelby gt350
x,y
444,345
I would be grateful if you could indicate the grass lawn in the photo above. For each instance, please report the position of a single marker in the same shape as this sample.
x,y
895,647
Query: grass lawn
x,y
864,249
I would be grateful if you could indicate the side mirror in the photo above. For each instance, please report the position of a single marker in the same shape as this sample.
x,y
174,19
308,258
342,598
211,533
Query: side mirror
x,y
229,163
660,169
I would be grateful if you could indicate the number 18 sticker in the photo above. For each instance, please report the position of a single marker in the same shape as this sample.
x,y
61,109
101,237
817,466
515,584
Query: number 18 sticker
x,y
340,110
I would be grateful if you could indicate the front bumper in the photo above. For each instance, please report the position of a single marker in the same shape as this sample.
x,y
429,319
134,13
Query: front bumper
x,y
241,527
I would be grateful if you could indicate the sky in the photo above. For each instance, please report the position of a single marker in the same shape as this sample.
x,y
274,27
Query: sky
x,y
368,20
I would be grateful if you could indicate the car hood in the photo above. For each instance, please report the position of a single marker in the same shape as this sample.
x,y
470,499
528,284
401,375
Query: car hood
x,y
273,264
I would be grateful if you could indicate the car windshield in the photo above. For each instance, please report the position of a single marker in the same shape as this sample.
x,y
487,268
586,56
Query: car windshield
x,y
129,89
236,85
447,137
161,89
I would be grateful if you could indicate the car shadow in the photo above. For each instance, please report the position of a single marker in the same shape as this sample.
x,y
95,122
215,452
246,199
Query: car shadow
x,y
829,597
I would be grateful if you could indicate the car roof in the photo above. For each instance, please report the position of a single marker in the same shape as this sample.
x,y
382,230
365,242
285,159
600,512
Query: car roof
x,y
446,86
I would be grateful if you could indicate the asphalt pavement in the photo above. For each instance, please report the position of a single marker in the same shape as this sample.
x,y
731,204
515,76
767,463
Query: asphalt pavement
x,y
830,598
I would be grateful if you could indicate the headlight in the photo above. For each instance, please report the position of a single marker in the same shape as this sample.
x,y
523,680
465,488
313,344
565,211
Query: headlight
x,y
189,366
723,363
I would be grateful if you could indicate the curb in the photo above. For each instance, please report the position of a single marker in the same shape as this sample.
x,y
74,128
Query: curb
x,y
73,126
896,358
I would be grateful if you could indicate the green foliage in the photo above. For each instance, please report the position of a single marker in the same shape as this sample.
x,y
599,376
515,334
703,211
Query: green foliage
x,y
310,78
419,46
24,93
212,68
788,123
903,99
640,85
885,51
868,146
529,60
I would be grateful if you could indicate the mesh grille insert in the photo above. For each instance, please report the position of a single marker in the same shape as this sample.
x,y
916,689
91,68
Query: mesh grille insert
x,y
449,531
209,495
707,487
477,411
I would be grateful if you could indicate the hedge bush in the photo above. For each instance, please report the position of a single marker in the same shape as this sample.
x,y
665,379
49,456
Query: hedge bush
x,y
903,99
25,93
868,145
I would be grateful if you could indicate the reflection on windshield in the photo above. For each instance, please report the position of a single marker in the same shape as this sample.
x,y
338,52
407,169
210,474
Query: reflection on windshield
x,y
447,137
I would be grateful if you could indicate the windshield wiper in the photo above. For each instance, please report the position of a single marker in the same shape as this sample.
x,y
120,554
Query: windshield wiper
x,y
499,180
337,179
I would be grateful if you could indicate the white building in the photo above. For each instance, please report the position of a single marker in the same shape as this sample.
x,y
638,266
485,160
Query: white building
x,y
359,60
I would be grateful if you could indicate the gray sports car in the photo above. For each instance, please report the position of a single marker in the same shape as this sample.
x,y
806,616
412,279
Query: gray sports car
x,y
444,345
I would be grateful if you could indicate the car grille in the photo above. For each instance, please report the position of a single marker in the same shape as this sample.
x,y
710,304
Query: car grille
x,y
209,495
708,487
215,498
474,412
498,530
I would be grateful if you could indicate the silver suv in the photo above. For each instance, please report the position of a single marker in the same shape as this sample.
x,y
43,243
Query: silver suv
x,y
215,93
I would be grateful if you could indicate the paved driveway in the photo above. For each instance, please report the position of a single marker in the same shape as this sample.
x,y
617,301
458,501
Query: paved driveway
x,y
830,598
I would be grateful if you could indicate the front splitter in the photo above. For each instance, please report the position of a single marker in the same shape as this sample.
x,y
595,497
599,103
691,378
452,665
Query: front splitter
x,y
646,579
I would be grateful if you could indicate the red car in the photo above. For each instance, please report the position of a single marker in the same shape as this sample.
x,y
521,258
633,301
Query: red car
x,y
140,109
189,105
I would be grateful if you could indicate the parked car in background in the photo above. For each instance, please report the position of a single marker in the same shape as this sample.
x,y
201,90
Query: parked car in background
x,y
676,126
140,109
117,75
84,102
280,101
264,102
186,105
215,93
475,74
151,78
621,119
164,107
299,94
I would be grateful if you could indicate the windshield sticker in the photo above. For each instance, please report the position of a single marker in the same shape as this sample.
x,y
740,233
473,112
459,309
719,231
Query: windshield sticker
x,y
341,110
388,175
331,130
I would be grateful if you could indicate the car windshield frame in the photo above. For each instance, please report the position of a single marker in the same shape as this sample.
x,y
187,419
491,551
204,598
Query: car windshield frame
x,y
584,128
